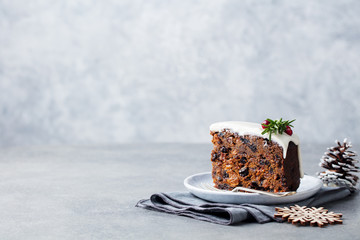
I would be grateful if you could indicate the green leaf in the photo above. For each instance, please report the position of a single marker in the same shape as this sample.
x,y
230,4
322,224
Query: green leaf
x,y
276,126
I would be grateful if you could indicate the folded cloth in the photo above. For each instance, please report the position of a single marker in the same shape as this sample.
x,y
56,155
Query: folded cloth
x,y
186,204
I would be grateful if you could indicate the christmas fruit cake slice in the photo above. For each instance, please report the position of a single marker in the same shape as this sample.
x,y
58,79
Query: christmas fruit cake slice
x,y
259,156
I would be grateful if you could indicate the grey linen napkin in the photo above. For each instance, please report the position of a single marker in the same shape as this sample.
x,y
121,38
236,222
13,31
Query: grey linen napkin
x,y
186,204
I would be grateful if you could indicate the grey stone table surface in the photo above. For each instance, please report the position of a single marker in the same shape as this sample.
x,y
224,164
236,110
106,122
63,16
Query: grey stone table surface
x,y
90,192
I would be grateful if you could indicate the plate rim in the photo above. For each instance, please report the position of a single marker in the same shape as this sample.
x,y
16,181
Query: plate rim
x,y
187,184
194,189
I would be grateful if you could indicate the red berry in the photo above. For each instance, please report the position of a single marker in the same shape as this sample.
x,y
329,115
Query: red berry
x,y
288,130
265,122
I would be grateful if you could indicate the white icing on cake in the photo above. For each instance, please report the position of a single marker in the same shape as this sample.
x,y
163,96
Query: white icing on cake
x,y
248,128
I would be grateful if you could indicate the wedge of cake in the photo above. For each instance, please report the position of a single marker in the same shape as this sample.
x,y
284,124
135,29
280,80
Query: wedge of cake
x,y
244,155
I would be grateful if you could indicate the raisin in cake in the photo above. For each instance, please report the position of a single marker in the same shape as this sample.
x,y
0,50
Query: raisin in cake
x,y
242,156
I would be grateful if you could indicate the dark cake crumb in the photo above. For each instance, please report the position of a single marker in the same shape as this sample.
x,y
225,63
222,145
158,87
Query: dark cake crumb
x,y
253,162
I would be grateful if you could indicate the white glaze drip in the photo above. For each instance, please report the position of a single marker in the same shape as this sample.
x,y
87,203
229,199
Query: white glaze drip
x,y
248,128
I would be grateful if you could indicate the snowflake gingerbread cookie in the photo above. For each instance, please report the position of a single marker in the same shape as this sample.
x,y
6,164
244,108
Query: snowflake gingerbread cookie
x,y
314,216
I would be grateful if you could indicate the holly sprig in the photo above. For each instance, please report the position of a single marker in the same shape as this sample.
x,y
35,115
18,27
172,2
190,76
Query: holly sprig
x,y
277,126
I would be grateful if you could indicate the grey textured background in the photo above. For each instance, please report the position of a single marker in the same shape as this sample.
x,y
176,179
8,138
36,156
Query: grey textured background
x,y
162,71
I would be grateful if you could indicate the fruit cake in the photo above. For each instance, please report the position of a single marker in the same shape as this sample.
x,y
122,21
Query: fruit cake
x,y
258,156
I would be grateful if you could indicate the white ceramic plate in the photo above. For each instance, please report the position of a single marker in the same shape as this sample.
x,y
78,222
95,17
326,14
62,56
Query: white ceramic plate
x,y
195,184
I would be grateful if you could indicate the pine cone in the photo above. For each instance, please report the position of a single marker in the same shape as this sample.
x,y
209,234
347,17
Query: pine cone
x,y
340,164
